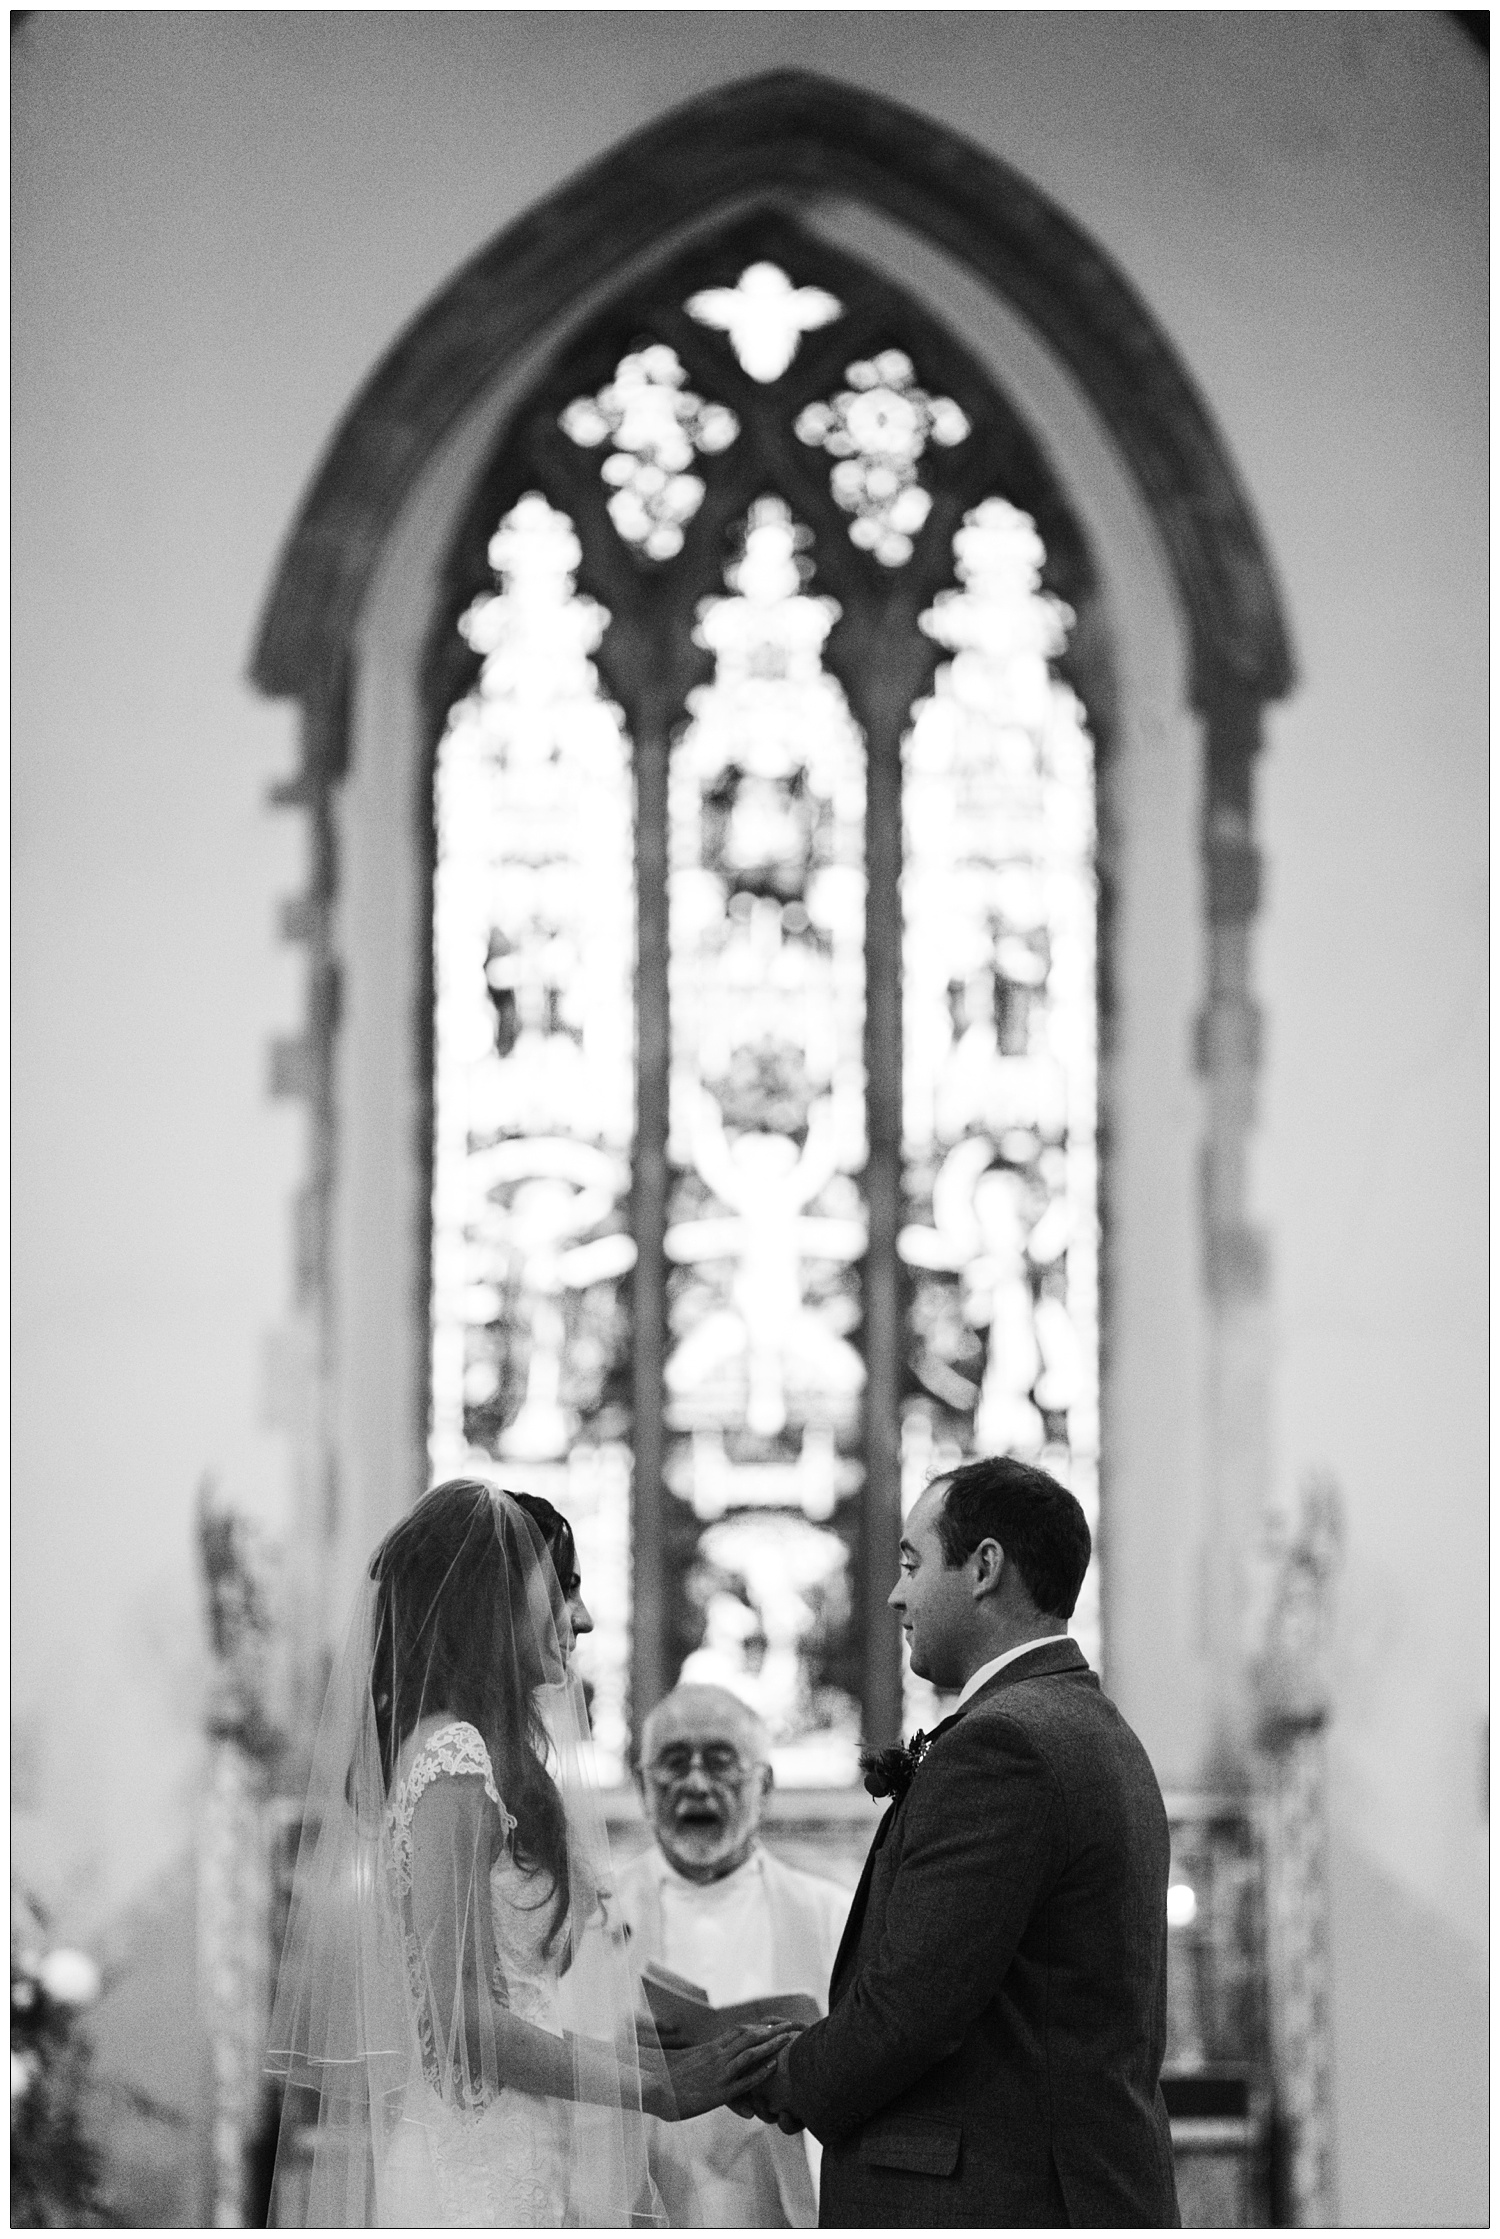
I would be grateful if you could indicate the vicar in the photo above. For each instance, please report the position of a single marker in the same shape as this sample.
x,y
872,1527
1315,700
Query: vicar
x,y
710,1902
998,2011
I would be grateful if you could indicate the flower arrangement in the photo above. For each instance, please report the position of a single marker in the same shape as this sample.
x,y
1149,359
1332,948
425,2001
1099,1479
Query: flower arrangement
x,y
54,2164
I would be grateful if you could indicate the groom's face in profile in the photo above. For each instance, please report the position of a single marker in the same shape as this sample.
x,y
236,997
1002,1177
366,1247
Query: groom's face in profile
x,y
935,1604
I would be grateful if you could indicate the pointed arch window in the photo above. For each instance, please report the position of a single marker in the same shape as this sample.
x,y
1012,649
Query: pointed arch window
x,y
764,1150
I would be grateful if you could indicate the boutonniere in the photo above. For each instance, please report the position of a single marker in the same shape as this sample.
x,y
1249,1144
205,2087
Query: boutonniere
x,y
890,1772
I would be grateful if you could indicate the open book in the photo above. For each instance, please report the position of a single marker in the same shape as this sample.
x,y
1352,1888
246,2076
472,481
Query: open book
x,y
682,2008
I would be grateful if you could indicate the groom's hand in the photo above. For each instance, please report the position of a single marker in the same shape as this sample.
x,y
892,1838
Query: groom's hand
x,y
771,2100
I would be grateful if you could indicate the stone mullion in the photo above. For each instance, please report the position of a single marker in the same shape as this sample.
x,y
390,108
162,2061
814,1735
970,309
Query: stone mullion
x,y
881,1532
883,667
650,1584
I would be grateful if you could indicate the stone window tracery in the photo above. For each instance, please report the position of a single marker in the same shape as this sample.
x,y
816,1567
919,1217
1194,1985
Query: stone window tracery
x,y
876,431
794,791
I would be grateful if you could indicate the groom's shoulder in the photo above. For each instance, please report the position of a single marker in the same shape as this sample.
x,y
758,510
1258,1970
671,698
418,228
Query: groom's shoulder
x,y
998,1727
1059,1708
1055,1686
1067,1720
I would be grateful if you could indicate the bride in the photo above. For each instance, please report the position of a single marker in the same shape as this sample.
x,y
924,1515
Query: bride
x,y
460,2031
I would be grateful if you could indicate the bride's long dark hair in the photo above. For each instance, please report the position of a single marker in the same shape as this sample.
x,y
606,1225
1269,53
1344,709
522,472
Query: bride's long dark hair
x,y
448,1640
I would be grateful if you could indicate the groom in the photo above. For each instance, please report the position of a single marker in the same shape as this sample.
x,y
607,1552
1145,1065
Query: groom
x,y
997,2011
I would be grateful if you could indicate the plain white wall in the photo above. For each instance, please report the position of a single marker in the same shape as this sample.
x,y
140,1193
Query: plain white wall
x,y
221,220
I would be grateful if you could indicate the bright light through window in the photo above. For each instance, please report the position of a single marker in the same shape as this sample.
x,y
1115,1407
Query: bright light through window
x,y
534,925
754,1288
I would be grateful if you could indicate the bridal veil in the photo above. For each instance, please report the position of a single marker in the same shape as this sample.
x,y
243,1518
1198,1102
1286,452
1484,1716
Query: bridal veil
x,y
453,1871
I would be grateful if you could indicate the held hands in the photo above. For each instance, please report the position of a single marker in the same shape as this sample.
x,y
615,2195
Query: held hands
x,y
725,2071
770,2100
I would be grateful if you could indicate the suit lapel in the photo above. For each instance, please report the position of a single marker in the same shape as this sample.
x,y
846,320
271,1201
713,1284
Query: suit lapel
x,y
1055,1657
849,1941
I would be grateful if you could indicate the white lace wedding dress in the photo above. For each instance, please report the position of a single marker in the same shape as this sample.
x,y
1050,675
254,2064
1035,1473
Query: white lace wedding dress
x,y
504,2164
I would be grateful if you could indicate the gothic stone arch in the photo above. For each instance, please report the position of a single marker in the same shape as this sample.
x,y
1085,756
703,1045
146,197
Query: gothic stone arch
x,y
752,153
756,153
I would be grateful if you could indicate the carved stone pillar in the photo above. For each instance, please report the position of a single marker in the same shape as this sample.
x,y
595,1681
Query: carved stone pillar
x,y
1294,1709
234,1893
233,1967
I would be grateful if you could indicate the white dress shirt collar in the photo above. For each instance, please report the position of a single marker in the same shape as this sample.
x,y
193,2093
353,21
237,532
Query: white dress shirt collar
x,y
998,1663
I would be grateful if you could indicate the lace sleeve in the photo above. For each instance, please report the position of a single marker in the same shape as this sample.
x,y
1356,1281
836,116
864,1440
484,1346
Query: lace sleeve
x,y
443,1829
458,1751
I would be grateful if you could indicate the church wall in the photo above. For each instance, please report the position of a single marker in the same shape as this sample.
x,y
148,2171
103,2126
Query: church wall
x,y
220,223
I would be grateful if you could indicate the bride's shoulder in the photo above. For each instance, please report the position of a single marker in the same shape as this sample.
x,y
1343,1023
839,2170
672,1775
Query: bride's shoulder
x,y
440,1747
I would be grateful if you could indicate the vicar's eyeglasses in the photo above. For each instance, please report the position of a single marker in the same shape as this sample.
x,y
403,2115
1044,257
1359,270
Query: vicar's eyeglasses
x,y
719,1762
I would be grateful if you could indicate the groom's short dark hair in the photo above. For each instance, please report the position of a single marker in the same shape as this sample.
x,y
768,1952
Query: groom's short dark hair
x,y
1038,1523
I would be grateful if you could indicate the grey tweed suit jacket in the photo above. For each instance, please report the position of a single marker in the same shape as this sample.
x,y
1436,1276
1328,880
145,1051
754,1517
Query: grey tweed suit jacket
x,y
993,2048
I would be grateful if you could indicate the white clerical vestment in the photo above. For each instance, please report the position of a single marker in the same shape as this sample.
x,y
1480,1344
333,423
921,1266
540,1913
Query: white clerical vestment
x,y
763,1928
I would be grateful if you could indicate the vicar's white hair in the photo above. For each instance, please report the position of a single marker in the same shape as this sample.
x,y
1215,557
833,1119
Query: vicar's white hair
x,y
695,1700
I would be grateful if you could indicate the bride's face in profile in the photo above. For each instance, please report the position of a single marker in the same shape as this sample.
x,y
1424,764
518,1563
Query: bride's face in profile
x,y
575,1620
562,1618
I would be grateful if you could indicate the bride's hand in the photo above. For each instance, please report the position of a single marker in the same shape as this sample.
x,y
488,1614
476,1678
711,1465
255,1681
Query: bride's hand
x,y
710,2075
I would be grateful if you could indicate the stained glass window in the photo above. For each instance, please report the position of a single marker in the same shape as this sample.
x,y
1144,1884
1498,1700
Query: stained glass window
x,y
876,431
534,917
764,316
764,964
654,424
763,1385
999,1044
